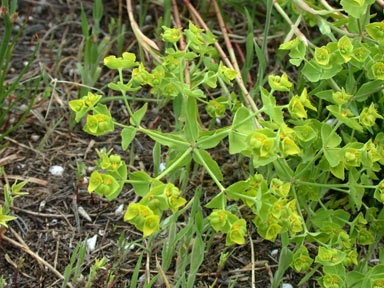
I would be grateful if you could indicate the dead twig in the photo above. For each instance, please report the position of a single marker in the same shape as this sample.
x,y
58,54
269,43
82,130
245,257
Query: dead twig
x,y
23,246
182,40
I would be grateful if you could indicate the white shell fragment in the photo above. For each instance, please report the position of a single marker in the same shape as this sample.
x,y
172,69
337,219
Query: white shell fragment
x,y
287,285
56,170
120,210
84,214
42,205
274,252
162,167
91,243
35,137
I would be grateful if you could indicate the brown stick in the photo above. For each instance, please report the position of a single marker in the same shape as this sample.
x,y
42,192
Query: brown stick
x,y
182,40
250,103
25,248
144,41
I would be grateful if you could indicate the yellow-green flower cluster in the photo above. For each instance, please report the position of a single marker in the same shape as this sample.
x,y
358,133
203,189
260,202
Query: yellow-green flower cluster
x,y
228,223
146,214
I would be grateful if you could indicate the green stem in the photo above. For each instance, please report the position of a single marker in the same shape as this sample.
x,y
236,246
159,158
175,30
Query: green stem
x,y
197,153
115,98
322,184
174,164
124,95
309,163
298,208
119,125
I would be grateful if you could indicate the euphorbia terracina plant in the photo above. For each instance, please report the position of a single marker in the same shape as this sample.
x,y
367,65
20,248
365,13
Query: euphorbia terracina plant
x,y
315,166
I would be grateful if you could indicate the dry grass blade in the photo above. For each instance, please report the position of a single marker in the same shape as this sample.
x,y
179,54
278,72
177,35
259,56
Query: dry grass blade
x,y
182,40
23,246
250,103
144,41
166,282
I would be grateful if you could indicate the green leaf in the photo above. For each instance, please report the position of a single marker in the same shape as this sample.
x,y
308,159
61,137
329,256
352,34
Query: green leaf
x,y
367,89
127,135
333,156
269,102
210,139
197,257
167,139
242,125
140,182
218,202
376,30
356,8
191,125
344,117
210,78
357,192
329,138
311,71
354,279
203,158
138,115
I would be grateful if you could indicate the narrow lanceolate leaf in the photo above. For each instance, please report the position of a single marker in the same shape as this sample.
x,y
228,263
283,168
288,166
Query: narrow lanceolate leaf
x,y
191,125
203,158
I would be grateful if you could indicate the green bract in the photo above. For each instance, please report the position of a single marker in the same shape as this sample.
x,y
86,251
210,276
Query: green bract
x,y
125,62
301,260
376,30
378,70
345,48
171,35
237,233
341,97
369,115
99,124
322,56
279,83
103,185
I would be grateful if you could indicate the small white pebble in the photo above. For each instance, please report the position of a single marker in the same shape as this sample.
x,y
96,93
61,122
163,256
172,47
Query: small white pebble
x,y
331,121
21,166
35,137
91,243
120,210
101,232
56,170
287,285
218,121
162,167
274,252
23,107
148,18
130,246
91,168
42,205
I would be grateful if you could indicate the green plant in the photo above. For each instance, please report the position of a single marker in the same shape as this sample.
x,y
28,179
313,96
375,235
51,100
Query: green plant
x,y
12,92
10,193
314,162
